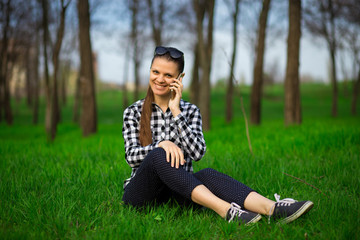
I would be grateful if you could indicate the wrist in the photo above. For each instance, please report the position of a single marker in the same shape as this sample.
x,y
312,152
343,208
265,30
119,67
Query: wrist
x,y
175,112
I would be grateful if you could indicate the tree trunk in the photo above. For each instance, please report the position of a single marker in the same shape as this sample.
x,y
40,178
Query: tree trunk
x,y
230,85
194,87
55,109
334,84
36,84
355,95
292,111
48,112
77,101
134,8
205,54
5,104
29,74
88,113
156,20
256,91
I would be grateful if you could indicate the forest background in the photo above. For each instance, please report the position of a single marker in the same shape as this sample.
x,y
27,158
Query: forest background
x,y
61,151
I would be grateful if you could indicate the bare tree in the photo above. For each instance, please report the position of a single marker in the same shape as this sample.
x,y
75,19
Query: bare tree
x,y
256,90
205,17
234,7
134,8
89,111
321,20
350,31
156,19
292,110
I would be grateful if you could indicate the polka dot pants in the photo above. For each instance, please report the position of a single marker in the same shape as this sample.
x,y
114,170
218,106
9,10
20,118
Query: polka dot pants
x,y
157,181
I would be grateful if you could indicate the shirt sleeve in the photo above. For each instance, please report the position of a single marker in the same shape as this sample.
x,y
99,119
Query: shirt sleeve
x,y
134,152
191,135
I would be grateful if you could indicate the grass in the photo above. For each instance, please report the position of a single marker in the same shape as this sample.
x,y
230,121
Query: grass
x,y
72,188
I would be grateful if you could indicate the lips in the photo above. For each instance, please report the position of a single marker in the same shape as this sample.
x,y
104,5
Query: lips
x,y
161,86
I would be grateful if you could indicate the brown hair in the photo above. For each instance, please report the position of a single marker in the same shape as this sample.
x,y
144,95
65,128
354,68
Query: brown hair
x,y
145,135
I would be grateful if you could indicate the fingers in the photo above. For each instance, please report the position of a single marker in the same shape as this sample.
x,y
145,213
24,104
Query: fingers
x,y
174,154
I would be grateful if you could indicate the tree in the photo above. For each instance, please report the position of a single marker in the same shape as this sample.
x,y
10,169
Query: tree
x,y
230,86
292,110
350,31
256,90
321,18
4,82
87,81
205,44
134,8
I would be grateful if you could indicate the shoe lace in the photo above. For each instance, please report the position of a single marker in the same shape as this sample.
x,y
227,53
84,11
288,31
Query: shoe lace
x,y
235,210
283,202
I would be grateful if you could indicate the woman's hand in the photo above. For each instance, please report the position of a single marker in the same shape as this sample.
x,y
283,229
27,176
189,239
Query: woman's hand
x,y
174,102
173,153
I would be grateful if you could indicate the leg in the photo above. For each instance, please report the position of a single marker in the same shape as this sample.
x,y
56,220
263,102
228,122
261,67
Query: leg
x,y
153,175
223,186
201,195
259,204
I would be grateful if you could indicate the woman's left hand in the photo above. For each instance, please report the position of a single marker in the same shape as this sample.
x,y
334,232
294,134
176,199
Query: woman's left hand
x,y
174,102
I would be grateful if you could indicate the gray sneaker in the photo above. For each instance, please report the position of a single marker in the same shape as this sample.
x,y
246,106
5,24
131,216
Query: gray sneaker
x,y
235,213
288,209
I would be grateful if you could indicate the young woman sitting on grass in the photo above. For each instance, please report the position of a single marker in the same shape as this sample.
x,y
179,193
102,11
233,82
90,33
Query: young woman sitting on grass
x,y
163,135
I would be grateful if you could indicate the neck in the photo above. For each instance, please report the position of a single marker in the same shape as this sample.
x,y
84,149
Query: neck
x,y
162,101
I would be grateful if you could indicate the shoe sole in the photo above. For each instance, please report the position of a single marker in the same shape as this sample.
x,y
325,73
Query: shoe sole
x,y
254,220
304,209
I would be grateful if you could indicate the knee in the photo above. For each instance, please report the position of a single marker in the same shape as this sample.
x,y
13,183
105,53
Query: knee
x,y
156,155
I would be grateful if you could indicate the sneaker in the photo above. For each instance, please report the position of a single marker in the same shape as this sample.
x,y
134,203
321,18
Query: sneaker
x,y
235,213
288,209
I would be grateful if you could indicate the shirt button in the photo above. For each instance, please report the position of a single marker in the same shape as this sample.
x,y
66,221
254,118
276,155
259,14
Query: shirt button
x,y
163,135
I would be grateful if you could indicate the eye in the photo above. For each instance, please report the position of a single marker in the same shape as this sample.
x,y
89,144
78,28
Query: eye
x,y
155,71
168,75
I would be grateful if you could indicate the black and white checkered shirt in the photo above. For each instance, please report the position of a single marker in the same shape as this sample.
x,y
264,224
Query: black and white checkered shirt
x,y
185,130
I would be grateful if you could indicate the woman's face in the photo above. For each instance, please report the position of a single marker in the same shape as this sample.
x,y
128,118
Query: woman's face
x,y
162,73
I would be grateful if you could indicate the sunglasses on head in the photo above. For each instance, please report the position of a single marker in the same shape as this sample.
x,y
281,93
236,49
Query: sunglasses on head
x,y
174,53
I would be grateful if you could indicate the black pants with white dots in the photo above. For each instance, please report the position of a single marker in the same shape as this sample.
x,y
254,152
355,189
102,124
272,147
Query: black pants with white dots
x,y
157,181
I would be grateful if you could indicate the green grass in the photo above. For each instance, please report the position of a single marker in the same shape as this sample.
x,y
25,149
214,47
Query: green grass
x,y
72,188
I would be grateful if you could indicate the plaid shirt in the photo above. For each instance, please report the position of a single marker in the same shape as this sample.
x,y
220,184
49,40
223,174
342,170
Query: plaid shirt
x,y
185,130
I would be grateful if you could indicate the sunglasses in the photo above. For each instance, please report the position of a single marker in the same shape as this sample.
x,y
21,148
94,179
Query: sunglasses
x,y
174,53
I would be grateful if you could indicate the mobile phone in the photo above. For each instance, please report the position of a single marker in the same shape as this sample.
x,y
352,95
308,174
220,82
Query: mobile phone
x,y
178,78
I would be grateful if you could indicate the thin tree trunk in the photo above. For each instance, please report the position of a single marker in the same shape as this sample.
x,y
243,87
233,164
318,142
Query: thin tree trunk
x,y
194,87
334,108
36,85
205,54
355,95
292,111
55,109
89,112
230,85
256,91
156,26
77,101
126,76
29,74
46,69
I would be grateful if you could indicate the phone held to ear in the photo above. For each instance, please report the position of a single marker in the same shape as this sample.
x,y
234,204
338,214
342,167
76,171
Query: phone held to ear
x,y
173,93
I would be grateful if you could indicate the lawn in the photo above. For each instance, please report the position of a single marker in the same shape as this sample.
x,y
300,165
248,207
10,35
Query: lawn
x,y
72,188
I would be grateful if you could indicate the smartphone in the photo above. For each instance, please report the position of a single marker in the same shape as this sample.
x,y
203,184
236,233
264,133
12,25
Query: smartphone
x,y
173,92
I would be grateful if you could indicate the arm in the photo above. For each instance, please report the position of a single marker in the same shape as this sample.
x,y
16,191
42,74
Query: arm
x,y
190,130
134,152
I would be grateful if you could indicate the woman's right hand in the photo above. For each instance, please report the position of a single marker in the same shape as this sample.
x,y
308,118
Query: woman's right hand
x,y
173,153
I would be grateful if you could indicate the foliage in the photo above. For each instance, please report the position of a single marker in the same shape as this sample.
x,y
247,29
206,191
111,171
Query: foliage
x,y
72,188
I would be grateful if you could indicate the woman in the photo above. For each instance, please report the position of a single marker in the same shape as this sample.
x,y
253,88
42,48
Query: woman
x,y
163,135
